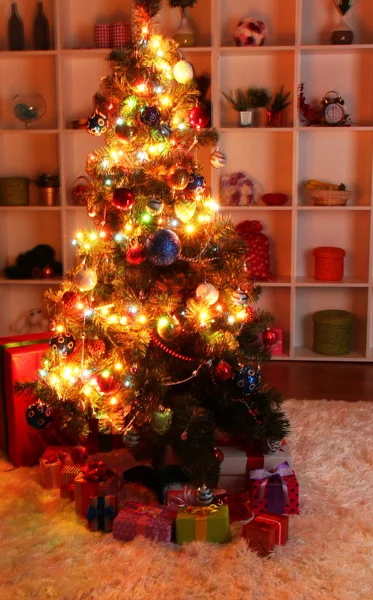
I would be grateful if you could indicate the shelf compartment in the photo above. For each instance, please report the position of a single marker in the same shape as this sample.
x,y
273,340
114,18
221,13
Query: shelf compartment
x,y
345,73
350,231
346,282
310,300
304,353
76,149
344,158
75,221
199,18
280,22
47,282
16,303
27,11
270,71
319,18
277,300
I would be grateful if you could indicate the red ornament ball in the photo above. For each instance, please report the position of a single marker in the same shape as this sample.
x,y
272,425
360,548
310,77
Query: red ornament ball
x,y
135,255
269,337
223,371
250,313
96,347
199,117
123,198
134,369
106,385
219,455
69,298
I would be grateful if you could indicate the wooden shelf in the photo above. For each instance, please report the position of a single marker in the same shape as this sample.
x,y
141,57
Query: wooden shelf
x,y
348,282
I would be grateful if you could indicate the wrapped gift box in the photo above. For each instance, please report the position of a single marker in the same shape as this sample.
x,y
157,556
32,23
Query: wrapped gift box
x,y
207,523
15,341
278,347
239,505
154,522
275,491
186,496
86,488
51,464
266,530
68,474
101,513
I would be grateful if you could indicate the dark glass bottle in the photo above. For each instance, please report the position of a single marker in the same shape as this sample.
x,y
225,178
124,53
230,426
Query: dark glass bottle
x,y
16,34
41,29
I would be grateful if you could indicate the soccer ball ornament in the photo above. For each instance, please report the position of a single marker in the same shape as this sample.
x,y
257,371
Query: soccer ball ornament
x,y
204,496
154,206
97,124
162,247
39,415
207,292
196,185
239,298
123,199
218,159
135,255
85,279
248,380
183,71
150,116
250,32
199,117
130,438
63,343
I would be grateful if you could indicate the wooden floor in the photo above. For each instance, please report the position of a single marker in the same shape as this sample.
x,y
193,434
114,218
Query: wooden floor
x,y
316,381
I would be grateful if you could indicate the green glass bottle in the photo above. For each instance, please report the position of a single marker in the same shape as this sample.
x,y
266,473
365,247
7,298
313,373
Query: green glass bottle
x,y
16,35
41,29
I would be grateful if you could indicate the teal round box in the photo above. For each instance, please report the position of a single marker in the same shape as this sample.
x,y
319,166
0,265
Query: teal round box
x,y
332,332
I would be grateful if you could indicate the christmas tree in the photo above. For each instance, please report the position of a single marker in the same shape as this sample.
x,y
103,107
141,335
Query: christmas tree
x,y
154,332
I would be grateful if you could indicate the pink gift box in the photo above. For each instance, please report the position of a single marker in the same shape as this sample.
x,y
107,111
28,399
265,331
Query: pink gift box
x,y
153,522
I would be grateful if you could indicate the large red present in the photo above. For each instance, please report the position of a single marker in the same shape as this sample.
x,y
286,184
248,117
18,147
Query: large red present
x,y
154,522
275,491
95,479
266,530
14,341
239,505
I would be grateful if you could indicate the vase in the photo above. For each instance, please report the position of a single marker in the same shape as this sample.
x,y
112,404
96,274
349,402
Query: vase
x,y
343,33
275,119
49,196
246,118
261,116
184,34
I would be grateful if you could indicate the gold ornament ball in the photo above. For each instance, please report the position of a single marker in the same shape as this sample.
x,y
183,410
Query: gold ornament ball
x,y
161,420
183,71
168,328
85,279
185,209
177,178
207,292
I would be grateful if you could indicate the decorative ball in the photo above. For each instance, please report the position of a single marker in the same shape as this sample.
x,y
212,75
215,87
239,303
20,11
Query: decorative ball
x,y
204,496
125,133
154,206
185,209
168,328
250,32
134,369
184,436
63,343
107,384
219,454
161,420
207,292
150,116
165,130
131,438
269,337
183,71
223,371
240,298
199,117
69,298
162,247
85,279
196,184
248,380
97,124
39,415
123,198
218,159
135,255
96,347
177,178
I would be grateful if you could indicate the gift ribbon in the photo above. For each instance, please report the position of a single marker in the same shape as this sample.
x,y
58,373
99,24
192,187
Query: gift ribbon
x,y
101,512
200,524
50,457
97,472
276,502
272,519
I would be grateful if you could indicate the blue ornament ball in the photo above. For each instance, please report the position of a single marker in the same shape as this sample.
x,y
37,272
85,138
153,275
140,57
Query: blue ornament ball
x,y
196,185
150,115
162,247
97,124
248,380
39,415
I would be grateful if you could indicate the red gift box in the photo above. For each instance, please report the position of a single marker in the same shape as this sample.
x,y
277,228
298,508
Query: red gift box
x,y
239,505
86,487
263,532
51,464
154,522
68,474
276,491
101,513
281,523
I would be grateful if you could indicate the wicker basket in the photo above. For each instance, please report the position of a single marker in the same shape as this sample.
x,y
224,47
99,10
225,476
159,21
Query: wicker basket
x,y
329,197
332,332
329,263
14,191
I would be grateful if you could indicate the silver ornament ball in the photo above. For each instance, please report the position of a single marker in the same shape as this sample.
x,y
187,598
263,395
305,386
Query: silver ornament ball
x,y
204,496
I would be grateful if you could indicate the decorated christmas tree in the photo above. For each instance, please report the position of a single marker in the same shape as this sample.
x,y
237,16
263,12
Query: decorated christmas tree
x,y
155,333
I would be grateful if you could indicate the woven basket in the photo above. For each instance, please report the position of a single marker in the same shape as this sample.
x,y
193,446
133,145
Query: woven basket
x,y
329,263
14,191
332,332
329,197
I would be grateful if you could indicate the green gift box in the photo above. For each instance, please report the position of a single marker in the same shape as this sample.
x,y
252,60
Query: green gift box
x,y
203,523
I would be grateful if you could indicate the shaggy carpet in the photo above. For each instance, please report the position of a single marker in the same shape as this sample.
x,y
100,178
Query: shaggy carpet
x,y
46,555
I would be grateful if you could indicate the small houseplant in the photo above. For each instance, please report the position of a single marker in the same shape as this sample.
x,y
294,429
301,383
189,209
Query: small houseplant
x,y
343,33
259,99
275,109
184,34
240,102
49,188
251,105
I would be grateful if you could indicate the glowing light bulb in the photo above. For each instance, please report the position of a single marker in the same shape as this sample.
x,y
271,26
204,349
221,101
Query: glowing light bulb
x,y
59,328
190,228
43,373
127,383
142,156
118,365
163,322
105,163
102,234
165,100
119,237
146,218
219,308
156,42
158,89
119,121
105,311
113,400
79,306
128,227
174,222
123,321
87,247
141,88
160,53
145,30
181,126
203,316
133,309
105,374
74,242
231,319
93,236
142,319
79,235
241,315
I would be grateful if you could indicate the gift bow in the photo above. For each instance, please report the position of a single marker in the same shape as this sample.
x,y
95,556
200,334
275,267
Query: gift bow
x,y
202,511
149,511
283,470
51,457
97,471
108,512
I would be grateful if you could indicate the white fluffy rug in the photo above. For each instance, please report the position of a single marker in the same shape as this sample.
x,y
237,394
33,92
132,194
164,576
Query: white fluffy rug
x,y
46,555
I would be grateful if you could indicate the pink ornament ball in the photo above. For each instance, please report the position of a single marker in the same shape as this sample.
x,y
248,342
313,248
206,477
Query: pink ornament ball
x,y
250,32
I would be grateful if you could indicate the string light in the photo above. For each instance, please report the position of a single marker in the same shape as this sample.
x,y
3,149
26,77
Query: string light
x,y
231,319
190,228
142,319
118,366
59,328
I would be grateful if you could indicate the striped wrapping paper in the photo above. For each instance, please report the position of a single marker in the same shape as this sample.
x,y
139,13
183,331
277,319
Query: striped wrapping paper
x,y
68,474
50,474
119,34
84,490
102,521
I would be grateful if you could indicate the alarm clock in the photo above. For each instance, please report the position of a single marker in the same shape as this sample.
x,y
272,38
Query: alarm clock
x,y
334,109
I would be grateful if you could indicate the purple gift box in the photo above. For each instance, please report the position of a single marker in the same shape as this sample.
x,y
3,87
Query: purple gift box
x,y
153,522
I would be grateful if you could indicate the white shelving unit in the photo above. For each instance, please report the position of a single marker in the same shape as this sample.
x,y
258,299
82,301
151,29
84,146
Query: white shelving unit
x,y
279,159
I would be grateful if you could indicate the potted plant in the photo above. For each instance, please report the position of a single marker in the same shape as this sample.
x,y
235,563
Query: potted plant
x,y
49,188
275,110
343,33
184,34
240,103
259,98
